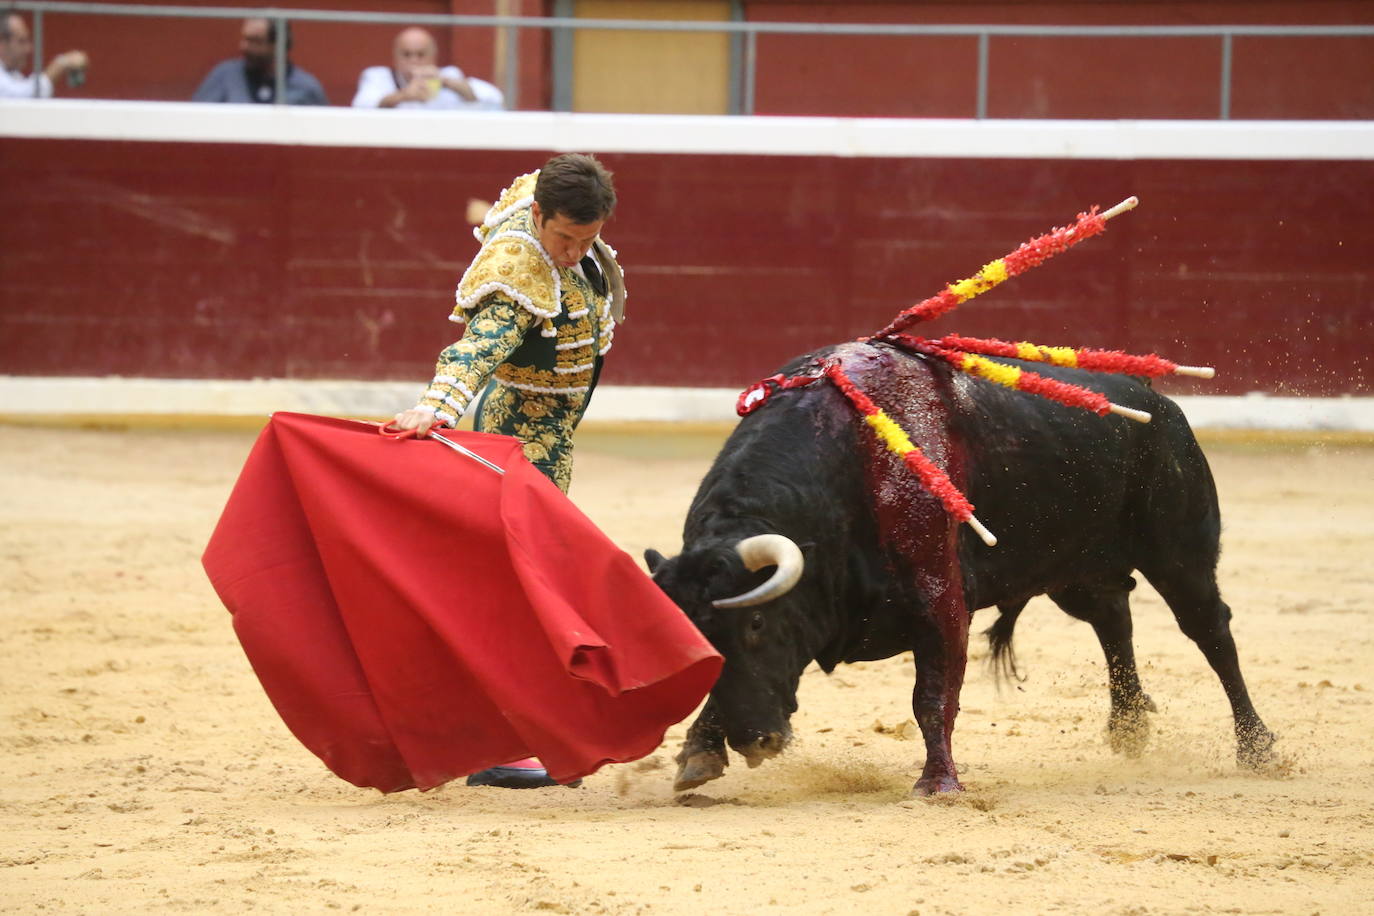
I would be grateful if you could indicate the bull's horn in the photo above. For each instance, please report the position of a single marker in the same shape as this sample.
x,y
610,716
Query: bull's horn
x,y
767,550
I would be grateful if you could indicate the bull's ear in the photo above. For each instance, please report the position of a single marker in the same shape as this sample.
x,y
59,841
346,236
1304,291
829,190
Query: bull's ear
x,y
653,559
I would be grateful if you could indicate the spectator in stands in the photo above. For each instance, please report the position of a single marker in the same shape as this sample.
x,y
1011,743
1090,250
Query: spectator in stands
x,y
416,81
252,77
16,50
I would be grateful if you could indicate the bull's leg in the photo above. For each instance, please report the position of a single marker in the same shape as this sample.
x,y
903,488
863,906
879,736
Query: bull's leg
x,y
1108,610
1206,620
702,757
941,652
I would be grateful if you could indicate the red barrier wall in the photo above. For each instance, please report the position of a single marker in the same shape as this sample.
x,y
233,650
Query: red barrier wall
x,y
204,260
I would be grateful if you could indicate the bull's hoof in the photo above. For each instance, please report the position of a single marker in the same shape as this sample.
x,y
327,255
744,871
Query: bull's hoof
x,y
927,786
1255,749
761,749
698,769
1128,733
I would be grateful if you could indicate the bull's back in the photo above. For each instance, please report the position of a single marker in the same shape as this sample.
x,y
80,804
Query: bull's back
x,y
1074,497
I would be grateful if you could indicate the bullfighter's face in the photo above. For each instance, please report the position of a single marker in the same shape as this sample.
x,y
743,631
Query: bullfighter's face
x,y
566,242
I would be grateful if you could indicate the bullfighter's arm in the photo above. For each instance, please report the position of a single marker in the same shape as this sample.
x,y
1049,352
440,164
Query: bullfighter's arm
x,y
464,367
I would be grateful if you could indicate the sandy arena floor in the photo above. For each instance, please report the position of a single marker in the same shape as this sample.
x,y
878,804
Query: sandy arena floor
x,y
146,771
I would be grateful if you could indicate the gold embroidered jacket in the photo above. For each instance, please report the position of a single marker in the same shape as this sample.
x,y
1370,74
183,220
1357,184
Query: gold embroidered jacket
x,y
511,288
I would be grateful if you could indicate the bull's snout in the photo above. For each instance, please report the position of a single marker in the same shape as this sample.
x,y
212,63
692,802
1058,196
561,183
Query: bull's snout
x,y
762,748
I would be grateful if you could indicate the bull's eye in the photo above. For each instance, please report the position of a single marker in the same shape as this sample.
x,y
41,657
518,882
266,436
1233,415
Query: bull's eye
x,y
753,631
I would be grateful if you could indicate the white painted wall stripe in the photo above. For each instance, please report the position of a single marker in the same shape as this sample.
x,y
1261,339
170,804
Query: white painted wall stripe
x,y
33,397
186,122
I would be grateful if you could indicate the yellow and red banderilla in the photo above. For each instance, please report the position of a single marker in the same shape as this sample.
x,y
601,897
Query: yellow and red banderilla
x,y
935,481
1029,254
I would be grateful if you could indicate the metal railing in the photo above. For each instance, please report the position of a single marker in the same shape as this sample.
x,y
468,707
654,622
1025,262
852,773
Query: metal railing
x,y
744,60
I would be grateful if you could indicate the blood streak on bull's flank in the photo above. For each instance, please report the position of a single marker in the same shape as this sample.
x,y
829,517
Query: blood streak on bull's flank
x,y
922,531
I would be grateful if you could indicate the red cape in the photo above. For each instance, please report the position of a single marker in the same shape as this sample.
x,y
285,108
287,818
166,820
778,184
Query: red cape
x,y
415,616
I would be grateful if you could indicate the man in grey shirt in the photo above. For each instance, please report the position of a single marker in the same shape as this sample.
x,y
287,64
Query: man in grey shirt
x,y
252,76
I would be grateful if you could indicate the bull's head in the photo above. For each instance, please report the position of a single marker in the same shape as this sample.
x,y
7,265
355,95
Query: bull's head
x,y
737,594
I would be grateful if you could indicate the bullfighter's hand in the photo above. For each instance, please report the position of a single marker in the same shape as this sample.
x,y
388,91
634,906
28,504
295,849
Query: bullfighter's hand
x,y
415,418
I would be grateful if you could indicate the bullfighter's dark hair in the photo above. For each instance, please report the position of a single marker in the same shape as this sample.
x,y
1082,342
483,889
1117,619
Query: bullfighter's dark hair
x,y
577,186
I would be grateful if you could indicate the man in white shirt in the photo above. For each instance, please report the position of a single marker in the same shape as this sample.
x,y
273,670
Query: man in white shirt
x,y
416,81
16,49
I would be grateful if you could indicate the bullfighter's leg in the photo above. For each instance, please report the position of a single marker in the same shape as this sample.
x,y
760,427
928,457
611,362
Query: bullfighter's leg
x,y
1206,620
543,423
702,757
1108,610
941,652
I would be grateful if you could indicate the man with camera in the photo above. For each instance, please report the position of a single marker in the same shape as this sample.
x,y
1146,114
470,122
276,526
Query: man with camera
x,y
16,50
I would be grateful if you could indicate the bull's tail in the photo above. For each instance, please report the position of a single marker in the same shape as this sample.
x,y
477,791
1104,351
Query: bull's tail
x,y
1002,657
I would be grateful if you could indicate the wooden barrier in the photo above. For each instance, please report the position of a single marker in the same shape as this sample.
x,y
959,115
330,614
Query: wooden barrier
x,y
315,248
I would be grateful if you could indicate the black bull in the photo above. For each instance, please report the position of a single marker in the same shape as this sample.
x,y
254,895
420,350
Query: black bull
x,y
1077,501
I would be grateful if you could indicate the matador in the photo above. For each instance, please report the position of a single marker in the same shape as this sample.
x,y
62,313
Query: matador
x,y
541,301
